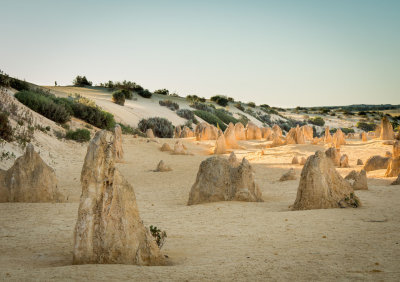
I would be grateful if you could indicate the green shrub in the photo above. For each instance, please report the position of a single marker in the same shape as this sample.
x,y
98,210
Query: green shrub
x,y
119,97
243,119
19,84
81,81
251,104
144,93
161,127
366,126
225,117
159,235
203,107
319,121
6,131
185,113
347,130
239,106
220,100
44,105
210,118
94,116
195,98
79,135
169,104
162,91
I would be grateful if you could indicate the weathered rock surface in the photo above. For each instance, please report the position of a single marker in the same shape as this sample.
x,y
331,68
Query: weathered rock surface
x,y
230,137
240,131
150,133
344,161
290,175
308,132
364,137
186,132
334,155
386,128
338,139
359,162
277,131
266,133
328,136
205,131
277,141
177,132
376,162
394,164
219,180
165,148
220,146
397,181
108,228
303,161
295,136
119,151
29,180
253,132
295,160
322,187
357,180
162,167
179,149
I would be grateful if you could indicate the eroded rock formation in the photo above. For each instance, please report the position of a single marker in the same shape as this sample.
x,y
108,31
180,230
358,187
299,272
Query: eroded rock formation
x,y
376,162
150,133
108,228
322,187
119,151
219,180
386,129
334,155
253,132
29,180
394,164
357,180
220,146
230,137
290,175
162,167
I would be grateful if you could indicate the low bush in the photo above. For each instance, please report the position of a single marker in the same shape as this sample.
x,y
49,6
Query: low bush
x,y
6,131
127,129
162,91
225,117
159,235
79,135
19,84
43,105
203,107
144,93
81,81
243,119
319,121
210,118
220,100
366,126
118,97
185,113
169,104
347,130
195,98
239,106
161,127
251,104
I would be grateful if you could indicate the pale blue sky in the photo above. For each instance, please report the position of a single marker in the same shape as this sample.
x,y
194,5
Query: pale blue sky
x,y
282,53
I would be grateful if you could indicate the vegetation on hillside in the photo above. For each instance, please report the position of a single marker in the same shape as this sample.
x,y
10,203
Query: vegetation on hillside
x,y
210,118
161,127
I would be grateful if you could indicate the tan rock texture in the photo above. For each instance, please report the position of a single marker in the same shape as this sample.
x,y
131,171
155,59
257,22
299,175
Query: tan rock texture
x,y
253,132
29,180
277,131
322,187
162,167
119,151
376,162
360,162
108,229
179,149
394,164
177,132
358,180
266,133
295,160
277,141
386,128
220,146
290,175
205,131
344,161
308,132
219,180
186,132
328,136
150,133
364,137
230,137
295,136
333,154
240,131
397,181
165,148
338,139
303,161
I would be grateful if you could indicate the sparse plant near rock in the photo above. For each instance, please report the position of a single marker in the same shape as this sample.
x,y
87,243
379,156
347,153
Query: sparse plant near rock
x,y
319,121
79,135
220,100
119,97
169,104
161,127
6,131
210,118
162,91
159,235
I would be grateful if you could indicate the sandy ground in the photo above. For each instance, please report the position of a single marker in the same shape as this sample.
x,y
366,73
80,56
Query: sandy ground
x,y
224,241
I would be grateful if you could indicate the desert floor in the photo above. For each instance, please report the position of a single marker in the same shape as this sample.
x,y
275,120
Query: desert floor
x,y
224,241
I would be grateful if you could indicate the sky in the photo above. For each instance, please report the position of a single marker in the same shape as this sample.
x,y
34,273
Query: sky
x,y
282,53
